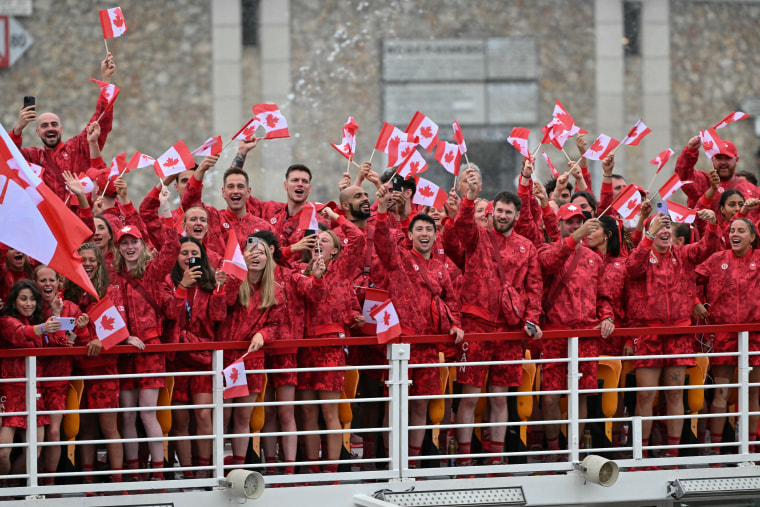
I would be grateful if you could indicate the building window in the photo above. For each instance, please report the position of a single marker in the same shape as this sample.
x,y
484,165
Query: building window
x,y
632,28
250,22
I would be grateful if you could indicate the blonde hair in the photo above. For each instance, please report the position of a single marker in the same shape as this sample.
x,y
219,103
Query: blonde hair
x,y
140,266
336,244
266,285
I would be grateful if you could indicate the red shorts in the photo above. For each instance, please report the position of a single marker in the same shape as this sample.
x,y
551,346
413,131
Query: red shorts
x,y
729,342
650,345
612,346
370,355
504,375
186,386
55,396
425,381
15,401
143,362
310,357
103,393
285,378
554,375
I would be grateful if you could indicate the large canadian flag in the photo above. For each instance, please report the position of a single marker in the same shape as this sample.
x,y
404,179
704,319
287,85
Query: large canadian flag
x,y
426,129
108,91
272,120
112,22
637,133
519,140
236,383
600,148
412,164
175,160
387,324
109,323
234,262
248,131
429,194
372,299
35,221
680,213
671,186
347,148
210,147
459,137
399,148
734,116
449,156
628,203
662,159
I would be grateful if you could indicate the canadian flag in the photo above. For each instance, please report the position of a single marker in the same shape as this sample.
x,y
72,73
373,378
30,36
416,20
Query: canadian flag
x,y
112,22
109,323
637,133
86,183
108,91
234,262
449,156
372,299
426,129
712,143
680,213
210,147
119,165
389,132
308,218
272,120
236,383
734,116
27,204
387,326
399,148
347,148
459,137
412,164
662,159
555,173
248,131
429,194
563,116
558,133
670,186
628,203
519,140
600,148
140,160
175,160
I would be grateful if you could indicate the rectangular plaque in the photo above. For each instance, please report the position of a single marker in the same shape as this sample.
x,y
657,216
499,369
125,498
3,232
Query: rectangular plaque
x,y
442,103
16,8
434,60
512,104
512,58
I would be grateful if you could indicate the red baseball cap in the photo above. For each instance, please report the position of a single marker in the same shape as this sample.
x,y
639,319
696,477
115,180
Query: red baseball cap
x,y
128,230
568,211
729,149
489,208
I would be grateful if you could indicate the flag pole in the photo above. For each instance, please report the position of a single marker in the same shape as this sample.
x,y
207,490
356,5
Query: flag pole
x,y
651,183
348,165
568,156
616,149
66,202
372,155
105,41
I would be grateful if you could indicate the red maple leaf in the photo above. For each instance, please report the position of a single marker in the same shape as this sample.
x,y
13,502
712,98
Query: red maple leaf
x,y
171,162
565,118
426,191
272,121
395,140
516,144
426,132
708,145
634,131
406,152
118,21
387,318
107,323
597,146
449,157
414,167
631,204
249,131
234,375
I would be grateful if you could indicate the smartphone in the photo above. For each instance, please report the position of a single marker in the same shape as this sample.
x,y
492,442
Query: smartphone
x,y
28,101
309,232
194,262
662,207
67,323
531,328
252,241
397,181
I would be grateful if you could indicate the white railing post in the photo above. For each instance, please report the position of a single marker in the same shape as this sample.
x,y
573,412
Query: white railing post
x,y
744,369
573,405
217,361
398,390
31,420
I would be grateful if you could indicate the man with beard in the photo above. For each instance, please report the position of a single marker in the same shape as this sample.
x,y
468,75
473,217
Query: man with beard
x,y
73,155
496,257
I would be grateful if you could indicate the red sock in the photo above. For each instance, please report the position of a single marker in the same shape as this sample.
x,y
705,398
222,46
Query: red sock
x,y
672,444
413,452
464,448
290,469
238,460
271,470
714,439
314,469
331,468
496,447
115,478
552,444
644,443
157,476
49,481
88,478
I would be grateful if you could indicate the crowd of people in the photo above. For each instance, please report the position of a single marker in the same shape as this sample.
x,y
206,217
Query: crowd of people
x,y
546,257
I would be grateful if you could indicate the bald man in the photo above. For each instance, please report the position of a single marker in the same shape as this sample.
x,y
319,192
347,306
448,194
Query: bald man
x,y
73,155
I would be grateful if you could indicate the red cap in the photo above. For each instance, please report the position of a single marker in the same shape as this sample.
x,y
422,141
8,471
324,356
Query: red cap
x,y
568,211
128,230
330,204
489,208
101,179
729,149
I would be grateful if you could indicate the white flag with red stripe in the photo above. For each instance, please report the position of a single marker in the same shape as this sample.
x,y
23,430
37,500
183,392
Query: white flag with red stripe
x,y
27,204
555,173
140,160
636,134
235,381
112,22
413,164
347,148
600,148
272,120
734,116
210,147
308,219
175,160
426,129
671,186
108,91
234,262
109,323
449,156
459,137
662,159
429,194
372,299
680,213
387,323
628,203
518,139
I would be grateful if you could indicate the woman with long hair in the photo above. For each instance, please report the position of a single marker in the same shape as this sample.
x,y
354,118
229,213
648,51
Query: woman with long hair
x,y
103,237
196,303
15,268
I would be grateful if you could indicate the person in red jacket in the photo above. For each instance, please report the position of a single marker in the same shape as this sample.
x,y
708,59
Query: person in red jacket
x,y
573,299
495,257
724,165
22,326
73,155
730,280
424,299
661,287
139,278
16,267
54,391
195,305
